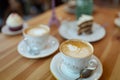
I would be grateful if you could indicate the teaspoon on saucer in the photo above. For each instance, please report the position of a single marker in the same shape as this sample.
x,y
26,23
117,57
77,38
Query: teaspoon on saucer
x,y
87,72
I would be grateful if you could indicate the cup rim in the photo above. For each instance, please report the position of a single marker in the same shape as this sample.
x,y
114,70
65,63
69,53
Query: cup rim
x,y
88,43
41,25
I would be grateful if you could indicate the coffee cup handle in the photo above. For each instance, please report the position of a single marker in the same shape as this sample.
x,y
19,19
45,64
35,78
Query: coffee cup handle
x,y
25,40
92,64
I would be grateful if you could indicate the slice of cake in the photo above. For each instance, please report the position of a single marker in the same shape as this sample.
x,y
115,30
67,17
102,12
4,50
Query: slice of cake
x,y
85,24
14,22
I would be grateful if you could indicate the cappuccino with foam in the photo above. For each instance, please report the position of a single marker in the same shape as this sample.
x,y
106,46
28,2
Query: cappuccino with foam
x,y
36,38
37,31
75,55
76,48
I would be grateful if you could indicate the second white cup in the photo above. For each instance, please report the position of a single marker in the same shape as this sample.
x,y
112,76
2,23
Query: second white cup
x,y
36,38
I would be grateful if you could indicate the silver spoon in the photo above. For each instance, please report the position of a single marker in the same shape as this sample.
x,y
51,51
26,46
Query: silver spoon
x,y
87,72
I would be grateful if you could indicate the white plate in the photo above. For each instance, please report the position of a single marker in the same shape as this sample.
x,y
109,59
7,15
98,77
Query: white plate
x,y
117,22
5,30
51,47
69,31
69,10
55,68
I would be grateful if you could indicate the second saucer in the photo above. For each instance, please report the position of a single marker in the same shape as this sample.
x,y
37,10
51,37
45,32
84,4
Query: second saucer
x,y
51,47
55,67
37,42
14,25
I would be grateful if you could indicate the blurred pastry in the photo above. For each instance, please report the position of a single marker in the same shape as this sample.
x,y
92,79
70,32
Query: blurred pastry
x,y
14,22
117,22
85,23
72,4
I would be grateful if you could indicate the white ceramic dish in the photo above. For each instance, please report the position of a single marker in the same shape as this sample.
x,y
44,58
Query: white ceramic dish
x,y
68,30
55,68
52,46
69,10
6,31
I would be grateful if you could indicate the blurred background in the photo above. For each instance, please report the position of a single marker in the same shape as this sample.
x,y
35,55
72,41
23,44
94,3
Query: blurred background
x,y
30,8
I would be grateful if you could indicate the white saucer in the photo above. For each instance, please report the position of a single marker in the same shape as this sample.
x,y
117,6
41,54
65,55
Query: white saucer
x,y
117,22
69,10
59,75
69,31
52,46
5,30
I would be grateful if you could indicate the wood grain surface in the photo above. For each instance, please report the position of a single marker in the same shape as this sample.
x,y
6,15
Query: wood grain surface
x,y
15,67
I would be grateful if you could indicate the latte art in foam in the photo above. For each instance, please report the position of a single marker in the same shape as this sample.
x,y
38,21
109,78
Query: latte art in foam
x,y
37,31
36,38
73,48
76,49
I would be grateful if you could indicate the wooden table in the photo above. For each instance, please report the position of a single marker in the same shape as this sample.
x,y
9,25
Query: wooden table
x,y
15,67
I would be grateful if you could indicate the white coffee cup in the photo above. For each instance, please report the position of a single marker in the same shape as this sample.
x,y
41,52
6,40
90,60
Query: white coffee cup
x,y
36,38
75,55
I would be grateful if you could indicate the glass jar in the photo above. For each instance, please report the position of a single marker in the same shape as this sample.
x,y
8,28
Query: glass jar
x,y
84,7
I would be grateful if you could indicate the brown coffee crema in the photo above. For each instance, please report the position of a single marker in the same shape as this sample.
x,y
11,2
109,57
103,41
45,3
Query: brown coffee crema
x,y
76,48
